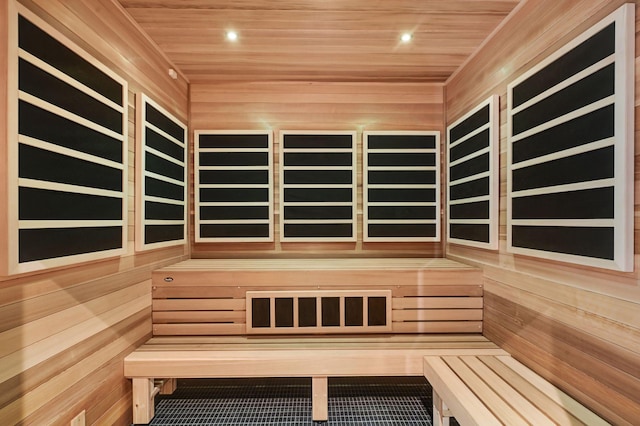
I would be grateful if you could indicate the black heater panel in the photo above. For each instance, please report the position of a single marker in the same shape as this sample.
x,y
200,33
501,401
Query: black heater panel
x,y
162,174
472,177
233,186
318,186
570,166
401,186
70,153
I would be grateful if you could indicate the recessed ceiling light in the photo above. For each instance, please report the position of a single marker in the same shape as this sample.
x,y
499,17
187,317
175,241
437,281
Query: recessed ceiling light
x,y
232,35
406,37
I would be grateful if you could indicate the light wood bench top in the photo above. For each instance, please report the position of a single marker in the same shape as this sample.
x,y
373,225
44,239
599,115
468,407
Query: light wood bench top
x,y
499,390
242,356
328,342
318,357
316,264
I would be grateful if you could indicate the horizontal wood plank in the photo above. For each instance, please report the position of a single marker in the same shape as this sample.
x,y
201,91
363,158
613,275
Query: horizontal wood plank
x,y
437,302
438,327
171,317
437,315
310,277
190,329
204,304
204,291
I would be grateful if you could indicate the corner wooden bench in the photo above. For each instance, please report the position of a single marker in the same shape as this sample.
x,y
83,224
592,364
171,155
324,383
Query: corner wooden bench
x,y
318,357
498,390
228,318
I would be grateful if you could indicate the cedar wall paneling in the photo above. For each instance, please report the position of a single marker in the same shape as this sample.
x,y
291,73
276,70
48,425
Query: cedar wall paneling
x,y
316,106
577,326
64,332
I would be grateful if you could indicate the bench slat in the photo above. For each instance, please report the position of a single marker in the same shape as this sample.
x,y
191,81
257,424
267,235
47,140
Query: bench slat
x,y
570,404
503,411
508,393
452,390
538,398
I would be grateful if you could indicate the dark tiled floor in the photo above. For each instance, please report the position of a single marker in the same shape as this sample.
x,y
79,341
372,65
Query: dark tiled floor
x,y
287,402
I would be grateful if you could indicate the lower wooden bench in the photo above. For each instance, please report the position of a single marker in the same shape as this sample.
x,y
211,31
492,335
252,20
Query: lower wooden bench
x,y
498,390
318,357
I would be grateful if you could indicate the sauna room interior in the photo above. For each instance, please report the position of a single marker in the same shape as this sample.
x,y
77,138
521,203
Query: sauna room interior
x,y
402,169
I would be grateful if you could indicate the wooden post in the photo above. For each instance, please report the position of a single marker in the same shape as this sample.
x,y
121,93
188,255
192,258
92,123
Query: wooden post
x,y
143,407
169,386
320,400
441,413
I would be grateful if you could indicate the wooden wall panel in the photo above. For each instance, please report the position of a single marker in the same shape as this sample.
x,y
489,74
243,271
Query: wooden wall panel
x,y
65,332
577,326
316,106
4,120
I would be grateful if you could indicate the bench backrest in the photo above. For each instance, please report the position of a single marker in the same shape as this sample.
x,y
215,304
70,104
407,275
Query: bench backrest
x,y
190,298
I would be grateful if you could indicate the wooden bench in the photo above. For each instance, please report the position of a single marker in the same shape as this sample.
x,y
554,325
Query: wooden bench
x,y
498,390
318,357
197,299
209,296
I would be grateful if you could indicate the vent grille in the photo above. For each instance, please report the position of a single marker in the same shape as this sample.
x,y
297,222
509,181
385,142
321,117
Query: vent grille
x,y
322,311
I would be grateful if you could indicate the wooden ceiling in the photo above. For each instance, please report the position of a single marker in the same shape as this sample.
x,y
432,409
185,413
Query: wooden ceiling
x,y
318,40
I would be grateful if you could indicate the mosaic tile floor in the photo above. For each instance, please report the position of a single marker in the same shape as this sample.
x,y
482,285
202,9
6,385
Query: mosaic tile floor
x,y
287,402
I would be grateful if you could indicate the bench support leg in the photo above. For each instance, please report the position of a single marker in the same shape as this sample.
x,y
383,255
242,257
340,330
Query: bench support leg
x,y
169,386
320,400
143,393
441,413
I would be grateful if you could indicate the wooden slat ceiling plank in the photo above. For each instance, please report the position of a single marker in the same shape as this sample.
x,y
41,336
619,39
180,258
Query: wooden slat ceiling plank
x,y
354,40
432,6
